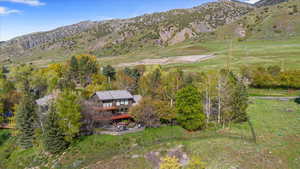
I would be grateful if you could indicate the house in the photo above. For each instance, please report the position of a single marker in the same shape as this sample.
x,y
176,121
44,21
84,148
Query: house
x,y
103,108
114,102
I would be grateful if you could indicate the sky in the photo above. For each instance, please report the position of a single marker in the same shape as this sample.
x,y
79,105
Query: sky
x,y
19,17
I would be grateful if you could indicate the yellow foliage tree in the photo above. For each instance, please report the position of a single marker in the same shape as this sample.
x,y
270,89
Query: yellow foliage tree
x,y
170,163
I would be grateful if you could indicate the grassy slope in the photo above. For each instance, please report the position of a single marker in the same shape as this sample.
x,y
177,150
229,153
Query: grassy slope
x,y
277,125
285,53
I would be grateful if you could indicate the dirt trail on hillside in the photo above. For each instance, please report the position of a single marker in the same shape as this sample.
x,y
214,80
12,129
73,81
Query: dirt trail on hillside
x,y
168,60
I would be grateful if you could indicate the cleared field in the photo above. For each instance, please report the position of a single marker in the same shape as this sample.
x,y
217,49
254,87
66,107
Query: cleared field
x,y
169,60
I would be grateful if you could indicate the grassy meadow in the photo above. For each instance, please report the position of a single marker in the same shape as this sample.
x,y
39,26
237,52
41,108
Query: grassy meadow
x,y
276,123
285,53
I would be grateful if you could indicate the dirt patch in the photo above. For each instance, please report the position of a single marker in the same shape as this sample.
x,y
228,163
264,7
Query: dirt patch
x,y
168,60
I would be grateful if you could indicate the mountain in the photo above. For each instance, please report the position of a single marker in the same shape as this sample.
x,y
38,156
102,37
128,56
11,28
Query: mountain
x,y
268,2
280,21
215,20
117,37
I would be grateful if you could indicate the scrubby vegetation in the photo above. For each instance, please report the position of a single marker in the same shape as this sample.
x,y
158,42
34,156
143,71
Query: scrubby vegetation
x,y
272,77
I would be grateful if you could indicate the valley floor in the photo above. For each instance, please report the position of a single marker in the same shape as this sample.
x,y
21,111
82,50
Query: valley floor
x,y
285,53
277,126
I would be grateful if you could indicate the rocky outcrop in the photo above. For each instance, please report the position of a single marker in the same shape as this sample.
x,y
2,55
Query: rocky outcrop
x,y
181,36
268,2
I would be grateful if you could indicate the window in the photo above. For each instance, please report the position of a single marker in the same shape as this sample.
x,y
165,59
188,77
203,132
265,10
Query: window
x,y
107,104
126,102
118,103
122,102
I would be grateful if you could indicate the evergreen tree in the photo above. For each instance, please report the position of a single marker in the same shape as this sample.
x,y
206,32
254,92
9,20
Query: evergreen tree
x,y
240,102
234,97
53,136
74,65
109,72
26,120
189,109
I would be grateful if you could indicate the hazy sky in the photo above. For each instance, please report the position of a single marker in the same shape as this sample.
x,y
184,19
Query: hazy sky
x,y
18,17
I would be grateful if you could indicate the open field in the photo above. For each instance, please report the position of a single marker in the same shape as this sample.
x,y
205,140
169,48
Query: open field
x,y
285,53
277,125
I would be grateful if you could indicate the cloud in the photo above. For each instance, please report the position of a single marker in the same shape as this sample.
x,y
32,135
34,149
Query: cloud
x,y
6,11
27,2
252,1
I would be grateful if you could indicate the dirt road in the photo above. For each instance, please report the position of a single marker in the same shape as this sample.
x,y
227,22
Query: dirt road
x,y
168,60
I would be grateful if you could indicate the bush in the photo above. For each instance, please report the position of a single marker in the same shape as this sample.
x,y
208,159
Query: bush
x,y
170,163
196,163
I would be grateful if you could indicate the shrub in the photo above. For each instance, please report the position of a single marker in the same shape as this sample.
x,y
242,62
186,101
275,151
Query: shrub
x,y
170,163
196,163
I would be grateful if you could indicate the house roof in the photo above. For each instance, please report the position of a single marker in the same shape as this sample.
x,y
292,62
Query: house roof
x,y
44,101
114,94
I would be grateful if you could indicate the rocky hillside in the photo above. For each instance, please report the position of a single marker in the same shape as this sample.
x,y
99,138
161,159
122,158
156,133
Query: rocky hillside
x,y
281,21
116,37
216,20
268,2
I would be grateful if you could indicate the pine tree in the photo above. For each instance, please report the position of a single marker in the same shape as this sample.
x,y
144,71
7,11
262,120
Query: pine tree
x,y
240,102
234,97
74,66
26,120
53,137
109,72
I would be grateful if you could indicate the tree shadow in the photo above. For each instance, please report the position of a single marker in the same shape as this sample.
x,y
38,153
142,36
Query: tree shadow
x,y
297,100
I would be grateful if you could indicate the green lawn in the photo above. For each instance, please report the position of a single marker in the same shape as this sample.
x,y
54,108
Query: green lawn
x,y
274,92
285,53
277,125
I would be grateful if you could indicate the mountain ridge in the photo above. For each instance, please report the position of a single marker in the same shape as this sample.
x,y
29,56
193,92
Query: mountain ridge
x,y
121,36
